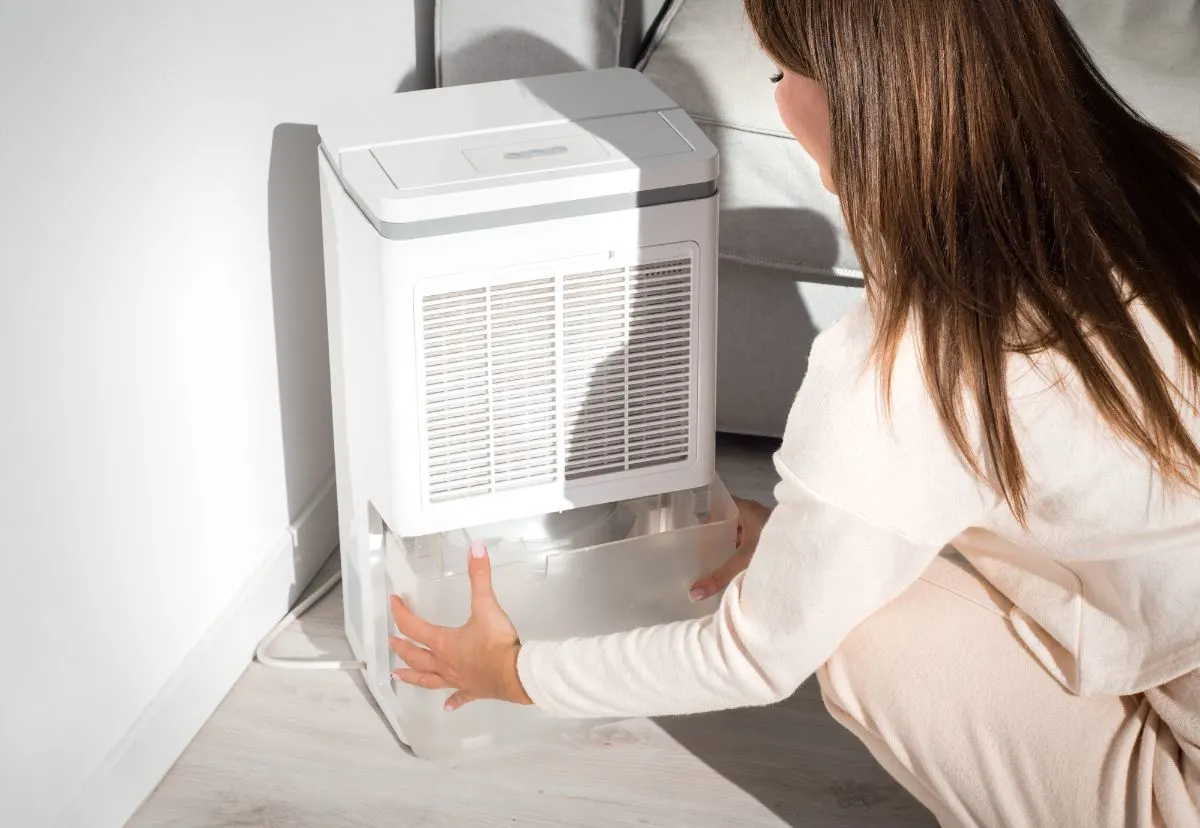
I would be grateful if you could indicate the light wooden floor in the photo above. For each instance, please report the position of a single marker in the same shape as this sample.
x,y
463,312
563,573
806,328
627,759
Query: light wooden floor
x,y
291,748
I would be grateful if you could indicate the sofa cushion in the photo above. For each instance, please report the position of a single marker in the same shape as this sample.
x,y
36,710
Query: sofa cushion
x,y
1150,52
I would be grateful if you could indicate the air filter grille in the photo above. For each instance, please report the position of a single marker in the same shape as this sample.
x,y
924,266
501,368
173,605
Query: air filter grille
x,y
598,364
627,354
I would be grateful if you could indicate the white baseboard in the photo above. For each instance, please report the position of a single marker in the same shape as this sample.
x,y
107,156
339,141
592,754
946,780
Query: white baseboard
x,y
132,770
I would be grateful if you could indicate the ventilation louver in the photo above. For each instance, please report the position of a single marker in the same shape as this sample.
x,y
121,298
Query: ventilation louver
x,y
494,392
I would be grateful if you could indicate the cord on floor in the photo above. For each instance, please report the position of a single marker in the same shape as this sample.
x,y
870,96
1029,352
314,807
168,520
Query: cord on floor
x,y
261,656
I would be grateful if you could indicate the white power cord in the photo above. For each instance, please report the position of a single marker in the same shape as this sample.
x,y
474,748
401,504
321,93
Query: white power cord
x,y
302,663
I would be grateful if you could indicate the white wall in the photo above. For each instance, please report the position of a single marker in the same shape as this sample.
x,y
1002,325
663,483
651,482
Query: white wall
x,y
153,450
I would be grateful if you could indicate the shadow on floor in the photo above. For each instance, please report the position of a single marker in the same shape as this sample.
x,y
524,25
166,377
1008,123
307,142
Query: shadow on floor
x,y
798,762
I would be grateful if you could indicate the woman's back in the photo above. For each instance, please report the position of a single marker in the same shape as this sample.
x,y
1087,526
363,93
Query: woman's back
x,y
1107,561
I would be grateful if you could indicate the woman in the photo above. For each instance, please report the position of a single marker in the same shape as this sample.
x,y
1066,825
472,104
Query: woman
x,y
1020,382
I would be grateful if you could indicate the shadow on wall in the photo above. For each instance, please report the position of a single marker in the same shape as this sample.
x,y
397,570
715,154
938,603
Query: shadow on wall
x,y
301,326
301,340
504,54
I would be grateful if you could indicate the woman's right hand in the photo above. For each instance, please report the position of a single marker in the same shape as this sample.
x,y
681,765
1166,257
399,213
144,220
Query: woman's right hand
x,y
752,517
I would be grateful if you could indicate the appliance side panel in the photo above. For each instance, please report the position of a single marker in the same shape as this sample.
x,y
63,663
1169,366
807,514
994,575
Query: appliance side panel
x,y
360,421
704,429
398,378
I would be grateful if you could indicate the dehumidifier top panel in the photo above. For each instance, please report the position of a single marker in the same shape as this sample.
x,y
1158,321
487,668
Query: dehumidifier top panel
x,y
485,107
476,161
517,151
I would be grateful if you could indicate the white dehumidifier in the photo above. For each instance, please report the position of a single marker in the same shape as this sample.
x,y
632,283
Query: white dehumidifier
x,y
522,318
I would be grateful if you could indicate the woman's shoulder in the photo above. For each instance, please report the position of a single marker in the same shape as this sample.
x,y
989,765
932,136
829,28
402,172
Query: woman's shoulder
x,y
842,368
852,335
880,456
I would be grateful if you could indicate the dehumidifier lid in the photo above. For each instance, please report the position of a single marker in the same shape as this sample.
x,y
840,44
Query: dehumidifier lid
x,y
458,158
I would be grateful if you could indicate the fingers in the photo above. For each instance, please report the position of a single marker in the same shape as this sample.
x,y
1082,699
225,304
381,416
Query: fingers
x,y
479,571
701,589
415,657
729,570
423,669
458,699
431,681
410,626
714,583
417,678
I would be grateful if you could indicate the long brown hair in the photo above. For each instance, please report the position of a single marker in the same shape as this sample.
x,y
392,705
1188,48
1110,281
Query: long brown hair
x,y
1003,199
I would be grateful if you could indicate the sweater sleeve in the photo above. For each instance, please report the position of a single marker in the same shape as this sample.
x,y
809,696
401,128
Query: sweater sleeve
x,y
824,562
818,572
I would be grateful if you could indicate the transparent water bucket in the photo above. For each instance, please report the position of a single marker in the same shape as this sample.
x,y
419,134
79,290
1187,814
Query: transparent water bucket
x,y
584,572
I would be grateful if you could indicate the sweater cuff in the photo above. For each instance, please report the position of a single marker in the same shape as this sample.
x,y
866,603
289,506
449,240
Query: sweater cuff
x,y
531,662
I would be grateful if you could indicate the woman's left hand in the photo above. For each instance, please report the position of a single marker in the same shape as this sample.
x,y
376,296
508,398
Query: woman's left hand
x,y
478,659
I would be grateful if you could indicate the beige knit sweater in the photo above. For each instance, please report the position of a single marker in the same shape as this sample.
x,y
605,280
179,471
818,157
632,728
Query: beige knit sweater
x,y
1108,565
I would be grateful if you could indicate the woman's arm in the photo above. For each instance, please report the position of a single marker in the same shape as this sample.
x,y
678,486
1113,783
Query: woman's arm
x,y
818,572
866,500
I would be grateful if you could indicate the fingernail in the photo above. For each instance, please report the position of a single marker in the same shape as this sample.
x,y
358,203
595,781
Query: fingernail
x,y
696,594
478,550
